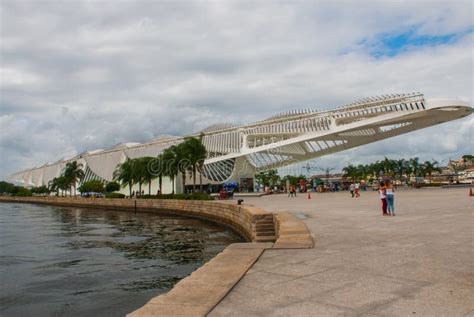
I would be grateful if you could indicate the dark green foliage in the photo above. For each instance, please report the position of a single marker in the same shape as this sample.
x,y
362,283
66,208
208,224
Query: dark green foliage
x,y
112,187
6,188
401,169
293,180
268,178
73,174
185,158
114,195
23,192
92,186
124,173
192,196
41,190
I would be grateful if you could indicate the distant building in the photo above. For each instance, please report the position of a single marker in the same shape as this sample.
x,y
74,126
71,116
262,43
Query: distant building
x,y
237,152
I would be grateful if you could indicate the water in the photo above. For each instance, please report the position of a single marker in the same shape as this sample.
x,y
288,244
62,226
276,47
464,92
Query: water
x,y
57,261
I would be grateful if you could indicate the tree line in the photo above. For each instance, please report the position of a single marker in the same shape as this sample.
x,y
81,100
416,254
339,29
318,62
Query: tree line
x,y
186,158
401,169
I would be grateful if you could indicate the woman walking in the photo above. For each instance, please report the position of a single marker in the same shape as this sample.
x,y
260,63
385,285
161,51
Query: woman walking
x,y
383,198
389,193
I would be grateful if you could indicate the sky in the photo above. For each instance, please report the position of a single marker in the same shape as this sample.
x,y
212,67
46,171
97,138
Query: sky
x,y
85,75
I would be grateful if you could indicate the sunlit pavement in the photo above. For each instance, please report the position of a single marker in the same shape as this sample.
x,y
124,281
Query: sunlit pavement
x,y
419,263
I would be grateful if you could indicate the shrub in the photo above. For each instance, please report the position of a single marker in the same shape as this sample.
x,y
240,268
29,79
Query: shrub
x,y
92,186
114,195
112,187
6,188
23,192
193,196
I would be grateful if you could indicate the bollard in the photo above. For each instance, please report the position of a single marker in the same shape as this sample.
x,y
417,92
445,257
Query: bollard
x,y
240,201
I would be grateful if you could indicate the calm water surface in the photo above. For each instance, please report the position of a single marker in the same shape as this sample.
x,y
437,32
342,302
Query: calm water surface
x,y
57,261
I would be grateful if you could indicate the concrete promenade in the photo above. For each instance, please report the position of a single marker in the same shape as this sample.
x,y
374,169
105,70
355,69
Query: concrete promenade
x,y
419,263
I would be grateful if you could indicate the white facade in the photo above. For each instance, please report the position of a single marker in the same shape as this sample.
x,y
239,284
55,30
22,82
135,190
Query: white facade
x,y
236,152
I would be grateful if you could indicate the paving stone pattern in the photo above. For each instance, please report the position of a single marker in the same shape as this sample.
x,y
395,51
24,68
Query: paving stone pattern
x,y
418,263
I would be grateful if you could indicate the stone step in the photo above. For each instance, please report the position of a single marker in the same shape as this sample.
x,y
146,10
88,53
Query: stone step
x,y
265,238
265,233
265,222
264,227
258,229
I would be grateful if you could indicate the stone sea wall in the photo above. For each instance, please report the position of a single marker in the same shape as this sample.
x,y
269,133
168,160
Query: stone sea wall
x,y
242,219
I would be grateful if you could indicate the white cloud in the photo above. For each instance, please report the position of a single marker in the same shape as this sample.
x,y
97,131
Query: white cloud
x,y
87,75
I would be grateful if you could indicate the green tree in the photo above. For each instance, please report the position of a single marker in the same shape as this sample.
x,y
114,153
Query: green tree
x,y
92,186
59,184
73,173
41,190
124,174
157,168
146,170
415,166
196,153
468,159
430,167
170,159
351,172
112,187
6,188
183,154
138,172
22,191
363,171
400,168
268,178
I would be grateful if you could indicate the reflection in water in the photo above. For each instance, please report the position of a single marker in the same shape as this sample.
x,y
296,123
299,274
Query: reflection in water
x,y
57,261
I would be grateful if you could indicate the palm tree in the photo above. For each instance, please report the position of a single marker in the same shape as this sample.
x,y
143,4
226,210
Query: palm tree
x,y
57,184
363,171
53,185
73,173
350,172
158,170
171,164
124,174
139,172
146,168
196,153
388,166
430,167
273,176
183,154
261,178
415,166
400,168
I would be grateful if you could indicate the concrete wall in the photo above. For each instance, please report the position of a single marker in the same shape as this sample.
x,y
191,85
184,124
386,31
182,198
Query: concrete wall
x,y
242,219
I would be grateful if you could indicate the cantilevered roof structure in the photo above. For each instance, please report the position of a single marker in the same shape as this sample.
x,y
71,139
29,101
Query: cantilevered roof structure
x,y
280,140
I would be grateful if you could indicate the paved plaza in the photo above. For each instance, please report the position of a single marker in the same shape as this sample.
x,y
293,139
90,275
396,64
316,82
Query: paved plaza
x,y
419,263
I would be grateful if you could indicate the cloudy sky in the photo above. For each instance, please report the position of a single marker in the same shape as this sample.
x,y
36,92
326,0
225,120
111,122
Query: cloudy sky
x,y
82,75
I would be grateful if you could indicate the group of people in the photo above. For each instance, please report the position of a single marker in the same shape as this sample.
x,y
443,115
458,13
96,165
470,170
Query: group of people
x,y
355,190
292,191
386,192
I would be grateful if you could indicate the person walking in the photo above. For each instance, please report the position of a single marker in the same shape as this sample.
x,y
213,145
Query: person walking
x,y
389,193
351,188
356,190
383,198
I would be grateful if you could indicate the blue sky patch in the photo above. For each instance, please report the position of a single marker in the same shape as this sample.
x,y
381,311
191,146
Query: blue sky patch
x,y
392,44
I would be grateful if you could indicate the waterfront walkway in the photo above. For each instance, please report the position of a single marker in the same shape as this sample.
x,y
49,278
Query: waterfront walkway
x,y
419,263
